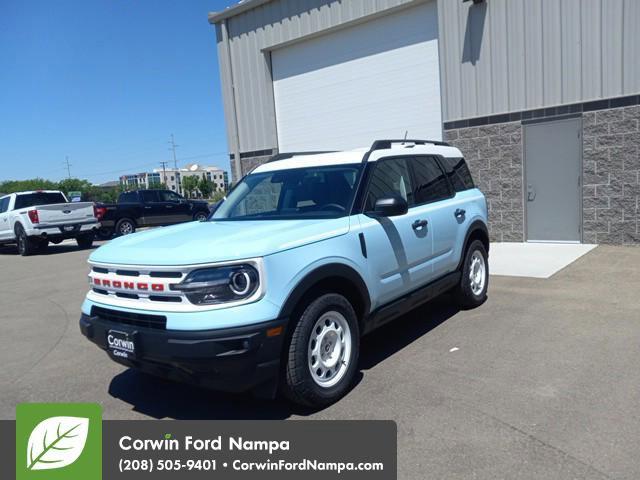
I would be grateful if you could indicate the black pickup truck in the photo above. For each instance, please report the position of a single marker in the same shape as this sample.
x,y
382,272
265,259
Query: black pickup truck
x,y
147,208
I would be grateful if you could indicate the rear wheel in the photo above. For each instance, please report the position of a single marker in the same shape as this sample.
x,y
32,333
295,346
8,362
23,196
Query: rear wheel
x,y
105,233
125,226
200,216
85,240
323,352
474,281
26,246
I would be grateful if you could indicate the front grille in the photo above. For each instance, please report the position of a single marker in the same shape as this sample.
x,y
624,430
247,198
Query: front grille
x,y
158,322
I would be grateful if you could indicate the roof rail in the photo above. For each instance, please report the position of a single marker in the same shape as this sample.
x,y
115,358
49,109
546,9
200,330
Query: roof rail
x,y
382,144
286,155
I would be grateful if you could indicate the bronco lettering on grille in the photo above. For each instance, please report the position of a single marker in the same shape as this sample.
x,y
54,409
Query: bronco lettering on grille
x,y
105,282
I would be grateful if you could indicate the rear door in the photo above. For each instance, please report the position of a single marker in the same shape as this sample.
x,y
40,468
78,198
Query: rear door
x,y
153,211
5,225
401,246
447,213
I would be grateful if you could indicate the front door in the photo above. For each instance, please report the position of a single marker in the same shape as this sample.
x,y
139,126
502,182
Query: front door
x,y
176,208
401,246
553,177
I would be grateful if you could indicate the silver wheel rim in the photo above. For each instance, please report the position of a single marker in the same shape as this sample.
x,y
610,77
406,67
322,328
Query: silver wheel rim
x,y
477,273
329,349
200,217
126,228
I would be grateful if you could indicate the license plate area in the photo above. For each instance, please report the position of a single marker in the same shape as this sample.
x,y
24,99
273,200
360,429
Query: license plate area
x,y
69,228
121,344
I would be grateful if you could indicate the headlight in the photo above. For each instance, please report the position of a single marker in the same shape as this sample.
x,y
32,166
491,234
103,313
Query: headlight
x,y
211,286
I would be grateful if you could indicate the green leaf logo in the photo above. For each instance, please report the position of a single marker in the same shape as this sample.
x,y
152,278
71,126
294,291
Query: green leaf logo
x,y
57,442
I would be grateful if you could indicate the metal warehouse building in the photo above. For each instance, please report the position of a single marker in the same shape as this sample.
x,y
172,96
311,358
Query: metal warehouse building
x,y
541,96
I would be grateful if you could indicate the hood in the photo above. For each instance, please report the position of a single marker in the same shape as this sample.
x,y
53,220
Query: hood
x,y
205,242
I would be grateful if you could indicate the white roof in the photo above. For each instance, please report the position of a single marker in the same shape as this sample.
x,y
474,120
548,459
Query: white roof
x,y
303,160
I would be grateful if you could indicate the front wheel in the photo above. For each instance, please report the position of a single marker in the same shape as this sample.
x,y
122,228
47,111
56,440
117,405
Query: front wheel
x,y
474,281
323,352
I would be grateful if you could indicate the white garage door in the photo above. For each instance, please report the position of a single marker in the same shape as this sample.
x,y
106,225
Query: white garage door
x,y
373,80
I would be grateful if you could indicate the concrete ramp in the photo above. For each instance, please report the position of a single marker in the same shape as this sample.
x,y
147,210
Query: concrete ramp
x,y
535,260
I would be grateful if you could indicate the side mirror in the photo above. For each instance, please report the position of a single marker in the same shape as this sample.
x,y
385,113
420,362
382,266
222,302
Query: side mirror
x,y
391,206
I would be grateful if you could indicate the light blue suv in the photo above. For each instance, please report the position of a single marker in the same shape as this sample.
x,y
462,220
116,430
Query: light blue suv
x,y
307,253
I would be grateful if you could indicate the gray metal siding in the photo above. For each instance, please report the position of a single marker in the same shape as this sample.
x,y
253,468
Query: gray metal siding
x,y
510,55
254,32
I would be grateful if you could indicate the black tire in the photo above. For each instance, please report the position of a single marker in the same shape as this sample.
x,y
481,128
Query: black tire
x,y
26,246
469,293
200,216
105,233
85,240
125,226
299,384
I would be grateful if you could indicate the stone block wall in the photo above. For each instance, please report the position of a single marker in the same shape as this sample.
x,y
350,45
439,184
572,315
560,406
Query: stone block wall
x,y
611,183
494,155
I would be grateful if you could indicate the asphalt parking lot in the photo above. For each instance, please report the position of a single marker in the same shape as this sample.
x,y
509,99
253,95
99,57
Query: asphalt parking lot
x,y
544,382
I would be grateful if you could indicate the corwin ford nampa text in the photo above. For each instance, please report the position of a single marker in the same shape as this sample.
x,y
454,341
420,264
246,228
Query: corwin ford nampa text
x,y
307,253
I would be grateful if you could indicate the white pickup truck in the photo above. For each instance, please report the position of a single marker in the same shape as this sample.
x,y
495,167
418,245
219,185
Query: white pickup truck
x,y
33,219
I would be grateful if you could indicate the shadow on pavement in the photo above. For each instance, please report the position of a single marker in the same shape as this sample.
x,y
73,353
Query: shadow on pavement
x,y
159,398
51,249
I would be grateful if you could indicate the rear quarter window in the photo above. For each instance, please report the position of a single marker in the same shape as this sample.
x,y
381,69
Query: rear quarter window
x,y
458,173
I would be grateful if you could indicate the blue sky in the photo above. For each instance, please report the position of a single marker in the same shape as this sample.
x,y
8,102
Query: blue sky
x,y
106,82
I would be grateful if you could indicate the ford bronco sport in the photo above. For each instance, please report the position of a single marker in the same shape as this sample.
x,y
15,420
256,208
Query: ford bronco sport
x,y
307,253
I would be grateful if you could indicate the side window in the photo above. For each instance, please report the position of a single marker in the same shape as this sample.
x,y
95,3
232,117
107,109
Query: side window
x,y
390,177
149,196
431,183
4,204
458,173
169,196
127,197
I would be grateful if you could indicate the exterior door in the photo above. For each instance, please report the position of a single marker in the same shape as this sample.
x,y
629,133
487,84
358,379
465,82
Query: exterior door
x,y
406,239
553,177
5,226
152,209
448,226
174,207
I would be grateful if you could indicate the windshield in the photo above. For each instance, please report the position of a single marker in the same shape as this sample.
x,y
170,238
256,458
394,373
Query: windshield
x,y
299,193
38,198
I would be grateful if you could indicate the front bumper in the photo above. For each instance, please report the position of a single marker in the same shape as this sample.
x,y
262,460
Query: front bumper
x,y
232,359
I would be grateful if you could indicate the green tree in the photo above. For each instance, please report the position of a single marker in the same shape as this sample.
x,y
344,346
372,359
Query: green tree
x,y
12,186
218,195
190,184
206,187
75,185
157,186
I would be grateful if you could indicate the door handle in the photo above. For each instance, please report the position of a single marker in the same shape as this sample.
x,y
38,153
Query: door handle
x,y
147,207
169,206
418,224
531,193
460,212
